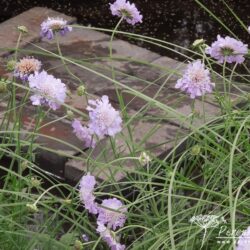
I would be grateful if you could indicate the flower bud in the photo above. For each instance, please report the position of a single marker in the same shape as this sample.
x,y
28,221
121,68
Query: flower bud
x,y
11,64
67,201
24,165
195,150
81,90
32,208
144,158
22,29
198,42
70,114
35,182
78,245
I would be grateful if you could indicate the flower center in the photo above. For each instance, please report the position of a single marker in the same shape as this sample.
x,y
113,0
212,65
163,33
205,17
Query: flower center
x,y
227,51
56,26
126,13
197,77
105,117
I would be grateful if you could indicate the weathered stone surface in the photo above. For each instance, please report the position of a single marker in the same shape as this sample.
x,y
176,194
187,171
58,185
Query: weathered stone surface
x,y
32,20
103,162
153,130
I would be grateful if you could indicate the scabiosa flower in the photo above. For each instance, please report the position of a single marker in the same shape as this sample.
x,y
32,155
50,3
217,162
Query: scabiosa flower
x,y
25,67
47,89
87,184
112,213
196,80
52,25
228,50
104,119
83,133
107,236
244,240
129,11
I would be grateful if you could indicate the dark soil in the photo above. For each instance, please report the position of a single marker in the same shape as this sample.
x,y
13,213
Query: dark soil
x,y
176,21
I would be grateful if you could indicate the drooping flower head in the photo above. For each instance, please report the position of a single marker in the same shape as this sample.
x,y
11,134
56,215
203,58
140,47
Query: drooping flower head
x,y
244,240
87,184
83,133
110,239
129,11
195,80
112,213
25,67
228,50
52,25
47,90
104,119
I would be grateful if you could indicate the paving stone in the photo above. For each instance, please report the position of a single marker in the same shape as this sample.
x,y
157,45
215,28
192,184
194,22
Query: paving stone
x,y
91,49
146,135
32,19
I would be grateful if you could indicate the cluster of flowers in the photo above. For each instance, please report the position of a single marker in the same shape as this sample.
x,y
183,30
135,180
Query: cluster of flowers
x,y
47,89
196,79
110,213
104,120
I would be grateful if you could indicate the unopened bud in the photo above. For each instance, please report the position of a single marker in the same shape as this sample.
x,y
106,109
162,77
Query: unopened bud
x,y
144,158
35,182
32,208
70,114
198,42
195,150
24,165
11,64
81,90
67,201
22,29
78,245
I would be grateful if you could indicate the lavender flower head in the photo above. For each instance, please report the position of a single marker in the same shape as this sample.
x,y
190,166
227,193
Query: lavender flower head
x,y
107,236
228,50
47,90
129,11
244,240
112,213
83,133
104,119
25,67
196,80
52,25
87,185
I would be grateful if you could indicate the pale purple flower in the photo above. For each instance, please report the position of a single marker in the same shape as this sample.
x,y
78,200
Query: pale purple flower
x,y
112,213
83,133
25,67
195,80
109,237
47,90
127,10
244,240
87,184
104,119
85,237
228,50
52,25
